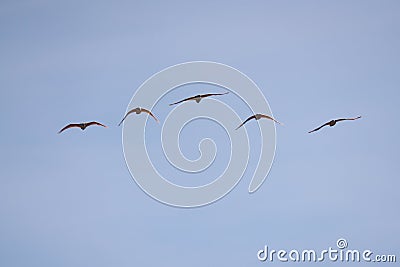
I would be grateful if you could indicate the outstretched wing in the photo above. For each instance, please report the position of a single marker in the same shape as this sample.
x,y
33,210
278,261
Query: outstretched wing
x,y
249,118
69,126
129,112
95,123
348,119
270,118
316,129
183,100
207,95
151,114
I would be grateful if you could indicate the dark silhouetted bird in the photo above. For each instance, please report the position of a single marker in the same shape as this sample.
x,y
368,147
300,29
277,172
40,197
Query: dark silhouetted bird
x,y
333,123
197,98
138,111
81,125
257,117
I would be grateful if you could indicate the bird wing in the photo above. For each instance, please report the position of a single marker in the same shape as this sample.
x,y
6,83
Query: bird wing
x,y
95,123
215,94
151,114
69,126
316,129
348,119
249,118
270,118
183,100
129,112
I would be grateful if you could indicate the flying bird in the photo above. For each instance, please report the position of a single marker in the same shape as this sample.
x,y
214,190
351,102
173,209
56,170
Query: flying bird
x,y
257,117
333,122
81,125
138,111
197,98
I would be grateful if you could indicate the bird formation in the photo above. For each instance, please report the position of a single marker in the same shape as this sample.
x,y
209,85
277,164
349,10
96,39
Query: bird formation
x,y
198,98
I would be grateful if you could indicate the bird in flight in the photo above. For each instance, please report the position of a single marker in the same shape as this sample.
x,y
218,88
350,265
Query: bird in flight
x,y
197,98
81,125
138,111
257,117
333,122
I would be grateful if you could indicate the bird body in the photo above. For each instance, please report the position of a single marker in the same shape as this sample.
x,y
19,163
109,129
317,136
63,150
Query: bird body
x,y
139,110
333,123
257,117
82,125
197,98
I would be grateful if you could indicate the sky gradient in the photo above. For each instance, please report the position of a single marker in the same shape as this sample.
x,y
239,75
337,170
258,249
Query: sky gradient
x,y
69,200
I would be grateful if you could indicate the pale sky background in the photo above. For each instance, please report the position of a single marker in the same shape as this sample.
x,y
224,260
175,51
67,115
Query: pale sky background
x,y
69,200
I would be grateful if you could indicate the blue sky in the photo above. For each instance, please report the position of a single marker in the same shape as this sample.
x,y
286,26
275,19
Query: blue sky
x,y
69,200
